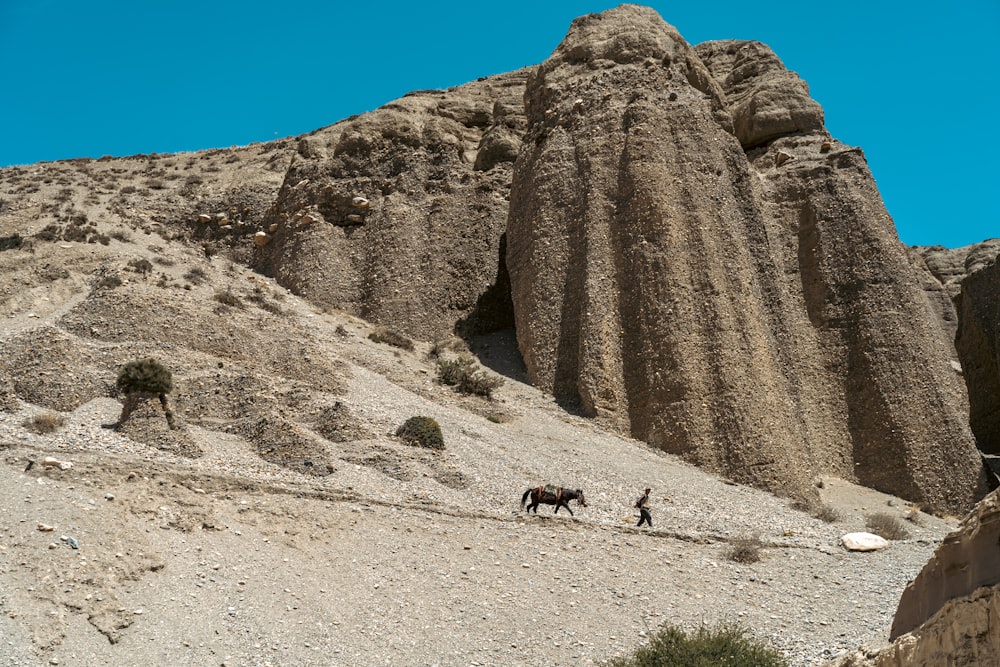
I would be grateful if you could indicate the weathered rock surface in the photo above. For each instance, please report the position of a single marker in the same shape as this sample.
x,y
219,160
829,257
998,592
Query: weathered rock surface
x,y
942,270
760,319
949,614
978,343
967,560
411,205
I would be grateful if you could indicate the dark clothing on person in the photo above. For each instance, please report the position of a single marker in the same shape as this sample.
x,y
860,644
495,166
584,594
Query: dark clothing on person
x,y
641,504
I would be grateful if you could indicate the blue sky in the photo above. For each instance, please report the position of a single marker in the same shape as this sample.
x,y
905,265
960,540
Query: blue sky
x,y
914,84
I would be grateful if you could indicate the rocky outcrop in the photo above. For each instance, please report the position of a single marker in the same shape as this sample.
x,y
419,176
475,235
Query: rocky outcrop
x,y
967,560
963,286
949,614
978,344
727,287
398,215
941,272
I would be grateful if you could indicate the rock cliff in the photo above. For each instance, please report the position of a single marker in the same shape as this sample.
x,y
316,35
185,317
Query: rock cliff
x,y
694,258
949,614
398,215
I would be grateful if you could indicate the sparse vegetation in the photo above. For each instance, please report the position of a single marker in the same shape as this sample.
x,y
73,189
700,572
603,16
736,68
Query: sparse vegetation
x,y
227,298
819,511
139,379
422,432
744,549
726,645
390,337
461,373
142,266
45,422
886,525
144,375
196,276
11,242
109,282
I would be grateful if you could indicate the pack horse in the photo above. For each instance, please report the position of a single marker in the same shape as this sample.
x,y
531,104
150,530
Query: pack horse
x,y
552,495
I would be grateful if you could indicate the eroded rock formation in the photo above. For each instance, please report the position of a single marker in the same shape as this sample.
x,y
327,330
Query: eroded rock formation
x,y
694,258
978,343
949,614
398,215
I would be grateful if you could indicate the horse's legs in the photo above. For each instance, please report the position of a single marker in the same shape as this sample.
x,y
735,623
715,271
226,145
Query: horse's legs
x,y
566,505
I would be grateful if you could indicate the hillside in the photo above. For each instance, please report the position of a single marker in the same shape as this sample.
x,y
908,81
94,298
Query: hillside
x,y
683,281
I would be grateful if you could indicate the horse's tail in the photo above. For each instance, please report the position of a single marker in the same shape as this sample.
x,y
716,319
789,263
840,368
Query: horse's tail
x,y
524,498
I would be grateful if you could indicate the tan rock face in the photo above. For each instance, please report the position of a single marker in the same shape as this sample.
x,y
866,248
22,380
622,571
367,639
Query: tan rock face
x,y
411,206
949,614
967,560
978,343
756,318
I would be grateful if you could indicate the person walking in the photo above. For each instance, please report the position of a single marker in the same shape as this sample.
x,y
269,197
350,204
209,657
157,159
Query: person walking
x,y
642,504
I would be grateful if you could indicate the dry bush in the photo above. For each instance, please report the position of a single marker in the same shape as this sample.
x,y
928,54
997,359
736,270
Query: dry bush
x,y
45,422
745,549
886,525
816,510
390,337
461,373
196,276
227,298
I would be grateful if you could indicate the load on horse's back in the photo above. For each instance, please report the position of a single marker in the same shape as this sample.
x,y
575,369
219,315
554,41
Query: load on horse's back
x,y
552,495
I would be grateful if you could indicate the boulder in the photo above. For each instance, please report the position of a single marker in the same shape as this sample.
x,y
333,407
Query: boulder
x,y
863,542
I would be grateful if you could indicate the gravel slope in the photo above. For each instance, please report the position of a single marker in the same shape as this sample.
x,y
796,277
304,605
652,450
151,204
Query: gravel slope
x,y
227,559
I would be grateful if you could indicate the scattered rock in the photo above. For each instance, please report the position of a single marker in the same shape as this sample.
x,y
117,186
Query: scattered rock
x,y
863,542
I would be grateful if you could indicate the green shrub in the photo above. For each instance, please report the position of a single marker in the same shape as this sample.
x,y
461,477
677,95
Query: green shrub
x,y
887,526
145,375
142,266
422,432
11,242
725,645
461,373
745,549
393,338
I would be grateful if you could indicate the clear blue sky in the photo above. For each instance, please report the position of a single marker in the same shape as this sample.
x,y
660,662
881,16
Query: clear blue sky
x,y
914,84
